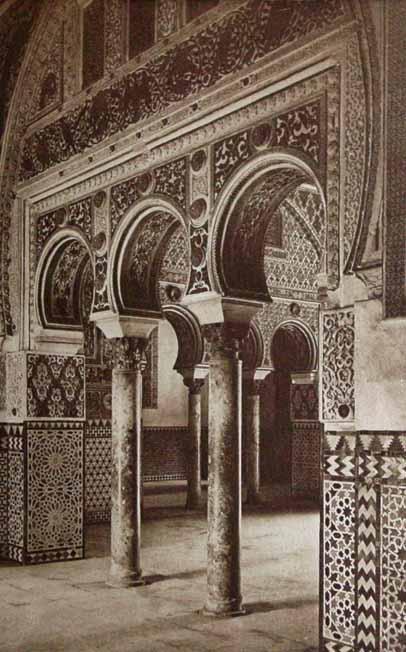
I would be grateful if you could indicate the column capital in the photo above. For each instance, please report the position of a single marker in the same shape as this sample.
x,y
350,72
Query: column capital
x,y
224,338
129,353
194,384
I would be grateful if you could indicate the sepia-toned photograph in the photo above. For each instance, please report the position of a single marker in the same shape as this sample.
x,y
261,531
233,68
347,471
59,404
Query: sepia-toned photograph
x,y
202,325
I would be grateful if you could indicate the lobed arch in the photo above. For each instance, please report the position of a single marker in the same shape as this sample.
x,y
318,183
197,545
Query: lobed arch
x,y
67,247
137,252
237,240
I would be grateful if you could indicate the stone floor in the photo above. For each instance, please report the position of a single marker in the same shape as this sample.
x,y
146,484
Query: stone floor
x,y
67,607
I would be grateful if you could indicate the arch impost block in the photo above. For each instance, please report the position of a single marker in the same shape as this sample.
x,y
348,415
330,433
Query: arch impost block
x,y
206,306
113,325
256,375
212,308
304,378
240,311
196,373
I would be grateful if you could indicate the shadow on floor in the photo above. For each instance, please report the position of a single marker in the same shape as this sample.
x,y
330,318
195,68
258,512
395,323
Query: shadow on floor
x,y
266,607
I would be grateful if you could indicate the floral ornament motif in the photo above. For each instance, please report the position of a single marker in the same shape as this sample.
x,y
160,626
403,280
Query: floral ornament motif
x,y
300,129
55,386
42,381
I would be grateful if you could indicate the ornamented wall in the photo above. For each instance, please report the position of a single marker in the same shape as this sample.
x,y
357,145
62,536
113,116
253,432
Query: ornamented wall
x,y
364,533
364,500
306,440
42,458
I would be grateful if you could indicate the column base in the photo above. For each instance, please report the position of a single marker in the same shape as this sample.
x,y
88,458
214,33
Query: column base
x,y
125,582
224,610
208,613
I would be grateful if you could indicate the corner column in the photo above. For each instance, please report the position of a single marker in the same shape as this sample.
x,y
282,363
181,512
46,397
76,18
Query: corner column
x,y
194,490
224,490
128,365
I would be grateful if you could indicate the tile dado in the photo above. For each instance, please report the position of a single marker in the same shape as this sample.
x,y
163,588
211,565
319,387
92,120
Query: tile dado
x,y
164,458
41,491
364,512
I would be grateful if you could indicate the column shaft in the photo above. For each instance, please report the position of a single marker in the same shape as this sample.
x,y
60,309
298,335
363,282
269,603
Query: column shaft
x,y
194,493
125,569
224,491
252,433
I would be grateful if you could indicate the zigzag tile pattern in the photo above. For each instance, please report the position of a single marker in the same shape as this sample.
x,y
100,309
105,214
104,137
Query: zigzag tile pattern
x,y
329,646
367,569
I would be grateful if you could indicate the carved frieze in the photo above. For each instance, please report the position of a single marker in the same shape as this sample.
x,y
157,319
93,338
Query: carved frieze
x,y
224,47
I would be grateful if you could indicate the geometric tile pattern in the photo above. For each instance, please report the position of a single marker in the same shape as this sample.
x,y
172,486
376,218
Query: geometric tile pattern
x,y
16,499
54,490
97,471
3,493
164,453
339,615
375,464
295,274
3,489
164,458
3,381
393,547
306,459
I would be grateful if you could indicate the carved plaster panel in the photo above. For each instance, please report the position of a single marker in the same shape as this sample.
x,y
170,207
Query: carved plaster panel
x,y
338,340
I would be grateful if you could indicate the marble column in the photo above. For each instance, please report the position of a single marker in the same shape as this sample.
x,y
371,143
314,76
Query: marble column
x,y
194,490
224,490
128,365
252,435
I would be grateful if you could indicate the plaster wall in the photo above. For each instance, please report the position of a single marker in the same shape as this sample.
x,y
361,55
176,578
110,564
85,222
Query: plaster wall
x,y
380,369
172,393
